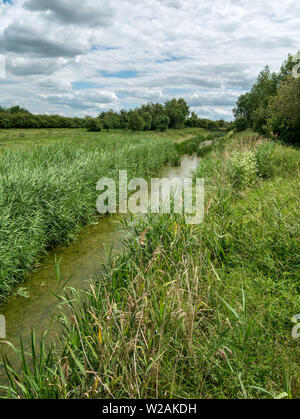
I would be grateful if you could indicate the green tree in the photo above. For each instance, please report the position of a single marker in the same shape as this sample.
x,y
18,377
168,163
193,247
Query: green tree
x,y
124,119
17,109
192,121
161,122
93,125
147,120
286,68
136,122
241,123
284,109
252,109
177,111
110,119
222,123
253,106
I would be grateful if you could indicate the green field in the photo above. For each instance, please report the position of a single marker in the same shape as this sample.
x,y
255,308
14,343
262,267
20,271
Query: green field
x,y
189,311
18,138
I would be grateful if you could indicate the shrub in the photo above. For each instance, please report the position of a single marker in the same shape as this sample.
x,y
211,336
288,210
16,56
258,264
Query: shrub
x,y
242,168
93,125
190,146
241,123
265,164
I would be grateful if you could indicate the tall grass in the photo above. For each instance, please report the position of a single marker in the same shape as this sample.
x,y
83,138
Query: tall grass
x,y
47,193
188,311
190,146
201,144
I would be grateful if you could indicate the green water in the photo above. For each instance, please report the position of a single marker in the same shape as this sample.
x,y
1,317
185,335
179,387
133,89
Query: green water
x,y
35,305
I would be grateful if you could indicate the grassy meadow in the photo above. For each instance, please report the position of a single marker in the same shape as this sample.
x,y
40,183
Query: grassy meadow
x,y
19,138
185,311
48,185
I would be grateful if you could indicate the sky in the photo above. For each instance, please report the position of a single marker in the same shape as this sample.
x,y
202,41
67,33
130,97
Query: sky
x,y
79,57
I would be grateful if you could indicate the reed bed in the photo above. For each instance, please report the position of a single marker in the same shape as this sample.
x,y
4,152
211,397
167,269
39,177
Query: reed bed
x,y
188,311
47,193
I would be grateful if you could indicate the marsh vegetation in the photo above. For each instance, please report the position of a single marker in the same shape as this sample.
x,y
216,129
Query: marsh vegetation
x,y
189,311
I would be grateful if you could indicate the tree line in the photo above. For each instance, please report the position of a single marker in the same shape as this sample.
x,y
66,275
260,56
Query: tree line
x,y
175,114
17,117
272,107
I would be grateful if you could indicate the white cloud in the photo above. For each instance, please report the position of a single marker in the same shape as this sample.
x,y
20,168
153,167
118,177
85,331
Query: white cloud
x,y
91,99
76,12
208,52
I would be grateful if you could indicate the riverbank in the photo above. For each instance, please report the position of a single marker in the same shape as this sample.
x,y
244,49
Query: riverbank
x,y
48,193
191,311
33,303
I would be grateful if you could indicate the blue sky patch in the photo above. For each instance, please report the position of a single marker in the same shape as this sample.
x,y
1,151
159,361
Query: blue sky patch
x,y
126,74
170,59
80,85
178,91
102,48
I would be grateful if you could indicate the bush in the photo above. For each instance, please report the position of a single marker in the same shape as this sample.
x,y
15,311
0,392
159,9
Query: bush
x,y
265,164
190,146
242,168
93,125
241,124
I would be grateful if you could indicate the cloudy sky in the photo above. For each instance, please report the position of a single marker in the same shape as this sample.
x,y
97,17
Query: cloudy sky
x,y
77,57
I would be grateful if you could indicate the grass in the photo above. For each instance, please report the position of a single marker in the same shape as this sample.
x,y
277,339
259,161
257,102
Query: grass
x,y
189,311
18,138
48,192
198,144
